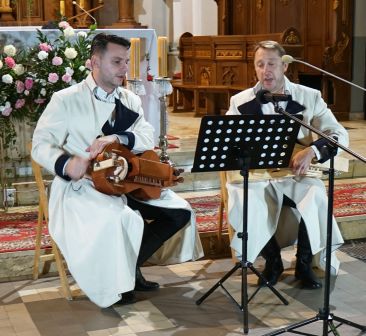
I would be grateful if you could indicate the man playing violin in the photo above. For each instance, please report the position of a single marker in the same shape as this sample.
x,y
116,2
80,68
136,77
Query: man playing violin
x,y
105,239
283,210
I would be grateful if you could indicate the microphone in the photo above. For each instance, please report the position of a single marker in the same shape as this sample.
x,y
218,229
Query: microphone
x,y
289,59
86,12
265,97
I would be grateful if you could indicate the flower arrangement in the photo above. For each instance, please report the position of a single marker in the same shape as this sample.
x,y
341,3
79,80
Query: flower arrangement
x,y
28,78
56,65
12,71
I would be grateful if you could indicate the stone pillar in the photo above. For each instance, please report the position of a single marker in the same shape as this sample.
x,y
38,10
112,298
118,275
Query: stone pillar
x,y
126,15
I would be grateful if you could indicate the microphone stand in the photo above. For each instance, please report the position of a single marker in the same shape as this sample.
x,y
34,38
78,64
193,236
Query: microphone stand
x,y
324,312
326,72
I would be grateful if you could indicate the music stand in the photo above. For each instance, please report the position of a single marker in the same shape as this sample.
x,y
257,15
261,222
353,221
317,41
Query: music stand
x,y
243,142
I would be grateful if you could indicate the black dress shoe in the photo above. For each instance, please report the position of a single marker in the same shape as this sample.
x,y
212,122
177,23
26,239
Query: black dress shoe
x,y
307,277
127,298
272,271
142,285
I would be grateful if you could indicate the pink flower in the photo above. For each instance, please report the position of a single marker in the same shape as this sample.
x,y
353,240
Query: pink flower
x,y
66,78
53,77
28,83
88,64
6,112
63,24
20,86
9,61
57,60
19,103
45,47
39,101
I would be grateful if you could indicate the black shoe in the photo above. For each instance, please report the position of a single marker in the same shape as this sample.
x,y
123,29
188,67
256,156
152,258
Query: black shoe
x,y
127,298
272,271
142,284
304,273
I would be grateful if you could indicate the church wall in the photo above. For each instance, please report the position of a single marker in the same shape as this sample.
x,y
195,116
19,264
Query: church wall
x,y
172,18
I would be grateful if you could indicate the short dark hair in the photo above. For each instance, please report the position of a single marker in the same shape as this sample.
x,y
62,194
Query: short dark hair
x,y
270,45
100,42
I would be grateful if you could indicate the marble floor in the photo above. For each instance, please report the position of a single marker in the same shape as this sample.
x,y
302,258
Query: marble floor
x,y
33,308
37,308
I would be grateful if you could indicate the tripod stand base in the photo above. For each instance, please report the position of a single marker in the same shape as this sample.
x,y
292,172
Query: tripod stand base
x,y
243,265
328,325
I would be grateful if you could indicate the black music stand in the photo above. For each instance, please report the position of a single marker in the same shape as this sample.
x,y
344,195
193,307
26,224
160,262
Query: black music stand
x,y
243,142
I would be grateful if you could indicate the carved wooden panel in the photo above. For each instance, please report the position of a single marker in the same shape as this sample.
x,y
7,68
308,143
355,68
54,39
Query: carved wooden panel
x,y
35,12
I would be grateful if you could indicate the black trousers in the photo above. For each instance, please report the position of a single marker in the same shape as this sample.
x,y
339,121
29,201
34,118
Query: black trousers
x,y
303,242
159,225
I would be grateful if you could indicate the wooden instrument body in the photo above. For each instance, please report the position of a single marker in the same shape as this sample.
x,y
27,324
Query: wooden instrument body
x,y
118,171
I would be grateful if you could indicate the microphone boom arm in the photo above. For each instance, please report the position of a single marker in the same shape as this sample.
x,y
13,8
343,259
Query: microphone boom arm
x,y
329,74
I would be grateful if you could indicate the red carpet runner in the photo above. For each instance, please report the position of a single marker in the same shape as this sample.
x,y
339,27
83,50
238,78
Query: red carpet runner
x,y
17,230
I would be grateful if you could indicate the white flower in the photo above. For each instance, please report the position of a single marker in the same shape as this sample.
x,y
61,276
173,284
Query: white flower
x,y
19,69
42,55
7,79
69,71
43,92
10,50
82,34
43,82
70,53
81,68
69,32
26,92
1,64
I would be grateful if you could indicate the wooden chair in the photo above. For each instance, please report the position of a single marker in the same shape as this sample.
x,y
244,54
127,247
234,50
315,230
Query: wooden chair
x,y
55,255
224,206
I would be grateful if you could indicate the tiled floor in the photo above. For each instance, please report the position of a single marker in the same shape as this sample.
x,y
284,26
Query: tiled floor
x,y
30,308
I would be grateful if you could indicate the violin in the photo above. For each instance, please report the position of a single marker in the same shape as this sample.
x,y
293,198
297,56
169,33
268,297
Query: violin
x,y
116,171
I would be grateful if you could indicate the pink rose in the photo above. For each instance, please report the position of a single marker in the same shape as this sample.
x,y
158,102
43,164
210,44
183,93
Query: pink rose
x,y
19,103
88,64
28,83
39,101
20,86
66,78
63,24
53,77
9,61
45,47
57,60
7,111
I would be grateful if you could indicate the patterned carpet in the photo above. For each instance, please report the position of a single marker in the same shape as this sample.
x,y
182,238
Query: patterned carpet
x,y
17,229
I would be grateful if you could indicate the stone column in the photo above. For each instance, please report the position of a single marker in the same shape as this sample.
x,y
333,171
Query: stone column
x,y
126,15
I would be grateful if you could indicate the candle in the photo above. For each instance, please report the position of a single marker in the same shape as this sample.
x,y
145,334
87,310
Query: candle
x,y
163,56
62,7
135,58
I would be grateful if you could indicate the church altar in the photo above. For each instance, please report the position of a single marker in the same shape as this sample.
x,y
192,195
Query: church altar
x,y
26,36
